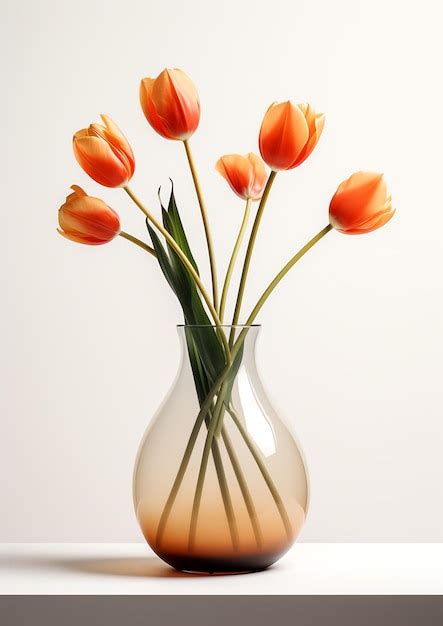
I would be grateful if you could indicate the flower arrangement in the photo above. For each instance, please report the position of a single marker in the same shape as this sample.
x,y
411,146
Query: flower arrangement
x,y
288,135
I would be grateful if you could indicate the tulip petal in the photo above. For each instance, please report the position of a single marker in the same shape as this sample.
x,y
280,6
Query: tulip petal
x,y
101,225
381,221
149,109
246,175
176,102
283,135
77,192
316,122
171,104
88,240
84,132
98,159
362,193
234,168
119,143
86,219
259,176
104,153
361,204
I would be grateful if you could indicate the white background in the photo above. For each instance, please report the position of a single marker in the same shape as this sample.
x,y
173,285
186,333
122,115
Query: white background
x,y
351,346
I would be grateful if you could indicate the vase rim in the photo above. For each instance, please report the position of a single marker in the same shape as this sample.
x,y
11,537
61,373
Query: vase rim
x,y
221,326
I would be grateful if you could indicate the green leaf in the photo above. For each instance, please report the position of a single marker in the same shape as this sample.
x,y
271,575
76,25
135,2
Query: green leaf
x,y
206,350
184,280
163,258
200,378
175,228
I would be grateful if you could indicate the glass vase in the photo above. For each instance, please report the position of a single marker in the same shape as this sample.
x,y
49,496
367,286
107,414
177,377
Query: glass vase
x,y
220,484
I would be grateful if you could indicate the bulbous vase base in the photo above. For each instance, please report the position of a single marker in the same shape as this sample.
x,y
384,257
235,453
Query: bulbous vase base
x,y
220,484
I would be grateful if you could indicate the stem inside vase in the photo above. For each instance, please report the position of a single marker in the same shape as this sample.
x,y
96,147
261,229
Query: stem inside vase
x,y
212,415
227,489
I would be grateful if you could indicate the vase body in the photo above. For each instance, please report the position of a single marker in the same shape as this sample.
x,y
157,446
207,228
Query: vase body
x,y
236,498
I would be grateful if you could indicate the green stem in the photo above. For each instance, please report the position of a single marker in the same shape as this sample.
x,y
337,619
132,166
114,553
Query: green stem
x,y
202,382
243,487
202,473
253,237
205,407
204,215
188,265
216,386
219,416
185,460
224,489
262,467
273,284
138,242
218,462
233,259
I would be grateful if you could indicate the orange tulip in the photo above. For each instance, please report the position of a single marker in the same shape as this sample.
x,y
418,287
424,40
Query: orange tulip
x,y
288,134
361,204
88,220
171,104
246,175
104,153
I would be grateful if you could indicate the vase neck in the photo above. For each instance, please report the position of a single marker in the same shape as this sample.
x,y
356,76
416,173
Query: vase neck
x,y
210,336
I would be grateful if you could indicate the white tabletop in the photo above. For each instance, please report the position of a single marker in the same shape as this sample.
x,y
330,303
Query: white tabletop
x,y
309,568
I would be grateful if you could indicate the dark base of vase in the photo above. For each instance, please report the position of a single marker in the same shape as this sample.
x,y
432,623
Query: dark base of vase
x,y
217,573
219,566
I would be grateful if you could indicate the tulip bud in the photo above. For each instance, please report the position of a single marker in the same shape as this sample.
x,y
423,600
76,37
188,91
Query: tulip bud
x,y
171,104
361,204
288,134
246,175
88,220
104,153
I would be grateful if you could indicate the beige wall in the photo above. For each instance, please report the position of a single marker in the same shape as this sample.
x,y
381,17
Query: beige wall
x,y
351,347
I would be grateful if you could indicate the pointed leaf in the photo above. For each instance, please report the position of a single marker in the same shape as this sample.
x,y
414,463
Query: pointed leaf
x,y
206,352
162,257
177,230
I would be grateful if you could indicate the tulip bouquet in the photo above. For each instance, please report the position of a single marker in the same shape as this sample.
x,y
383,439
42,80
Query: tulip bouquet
x,y
288,135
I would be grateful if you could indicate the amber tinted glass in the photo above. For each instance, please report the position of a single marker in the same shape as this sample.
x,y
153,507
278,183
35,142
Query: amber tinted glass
x,y
235,502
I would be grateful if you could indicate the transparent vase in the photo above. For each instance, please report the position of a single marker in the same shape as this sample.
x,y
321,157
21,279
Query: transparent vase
x,y
220,484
